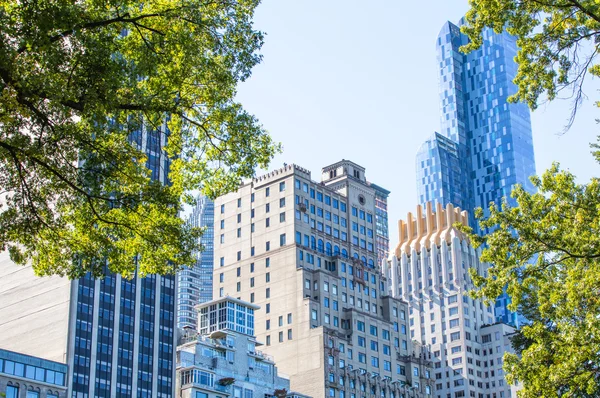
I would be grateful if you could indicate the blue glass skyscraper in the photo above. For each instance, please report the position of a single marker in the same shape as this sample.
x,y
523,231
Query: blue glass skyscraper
x,y
195,283
485,144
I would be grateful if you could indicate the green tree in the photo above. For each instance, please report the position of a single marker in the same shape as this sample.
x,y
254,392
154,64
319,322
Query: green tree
x,y
546,253
558,44
80,80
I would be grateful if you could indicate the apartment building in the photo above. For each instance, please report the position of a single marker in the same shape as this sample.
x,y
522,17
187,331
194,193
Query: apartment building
x,y
430,270
222,360
306,252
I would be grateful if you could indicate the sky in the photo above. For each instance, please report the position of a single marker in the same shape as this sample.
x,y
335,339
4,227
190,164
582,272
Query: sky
x,y
358,80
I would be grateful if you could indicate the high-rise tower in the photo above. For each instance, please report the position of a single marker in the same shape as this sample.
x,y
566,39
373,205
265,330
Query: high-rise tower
x,y
485,144
494,146
116,334
195,284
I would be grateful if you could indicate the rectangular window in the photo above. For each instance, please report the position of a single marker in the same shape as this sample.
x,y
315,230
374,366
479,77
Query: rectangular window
x,y
282,186
282,202
282,240
267,191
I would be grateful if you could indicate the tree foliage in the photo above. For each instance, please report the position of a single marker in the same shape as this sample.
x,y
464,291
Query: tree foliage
x,y
558,43
81,81
546,253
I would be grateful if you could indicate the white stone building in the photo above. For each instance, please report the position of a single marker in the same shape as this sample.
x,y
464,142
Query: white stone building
x,y
221,360
429,269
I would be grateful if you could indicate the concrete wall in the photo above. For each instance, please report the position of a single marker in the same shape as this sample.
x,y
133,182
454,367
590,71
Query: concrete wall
x,y
34,311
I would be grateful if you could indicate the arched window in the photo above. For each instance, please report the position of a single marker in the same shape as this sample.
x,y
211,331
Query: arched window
x,y
371,263
336,250
344,253
355,255
313,243
320,246
363,260
328,249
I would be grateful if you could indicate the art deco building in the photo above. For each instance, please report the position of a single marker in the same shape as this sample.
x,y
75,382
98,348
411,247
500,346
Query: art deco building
x,y
305,251
195,283
430,270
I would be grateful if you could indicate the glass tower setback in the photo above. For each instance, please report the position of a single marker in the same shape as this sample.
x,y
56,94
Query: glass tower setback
x,y
195,283
485,144
123,340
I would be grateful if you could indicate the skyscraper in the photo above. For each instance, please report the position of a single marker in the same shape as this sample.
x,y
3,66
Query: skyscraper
x,y
492,138
429,269
116,334
306,252
485,144
195,283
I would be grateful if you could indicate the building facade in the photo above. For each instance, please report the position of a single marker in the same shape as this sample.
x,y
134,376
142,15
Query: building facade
x,y
382,238
116,334
485,144
493,138
195,284
25,376
430,271
305,251
222,359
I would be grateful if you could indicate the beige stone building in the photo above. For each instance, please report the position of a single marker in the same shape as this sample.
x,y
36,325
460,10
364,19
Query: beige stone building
x,y
429,269
305,251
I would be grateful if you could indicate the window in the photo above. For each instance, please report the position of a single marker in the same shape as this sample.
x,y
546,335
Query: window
x,y
222,209
267,191
268,246
375,362
360,326
267,262
12,392
33,394
289,318
268,277
281,337
282,202
289,334
222,238
222,276
268,292
281,217
267,208
222,224
268,340
282,186
373,330
282,240
455,336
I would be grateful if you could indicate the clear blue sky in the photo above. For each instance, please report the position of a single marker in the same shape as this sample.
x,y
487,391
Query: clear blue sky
x,y
358,80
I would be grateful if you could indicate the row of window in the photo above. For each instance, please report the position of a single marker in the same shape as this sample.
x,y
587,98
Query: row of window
x,y
319,196
13,392
32,372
